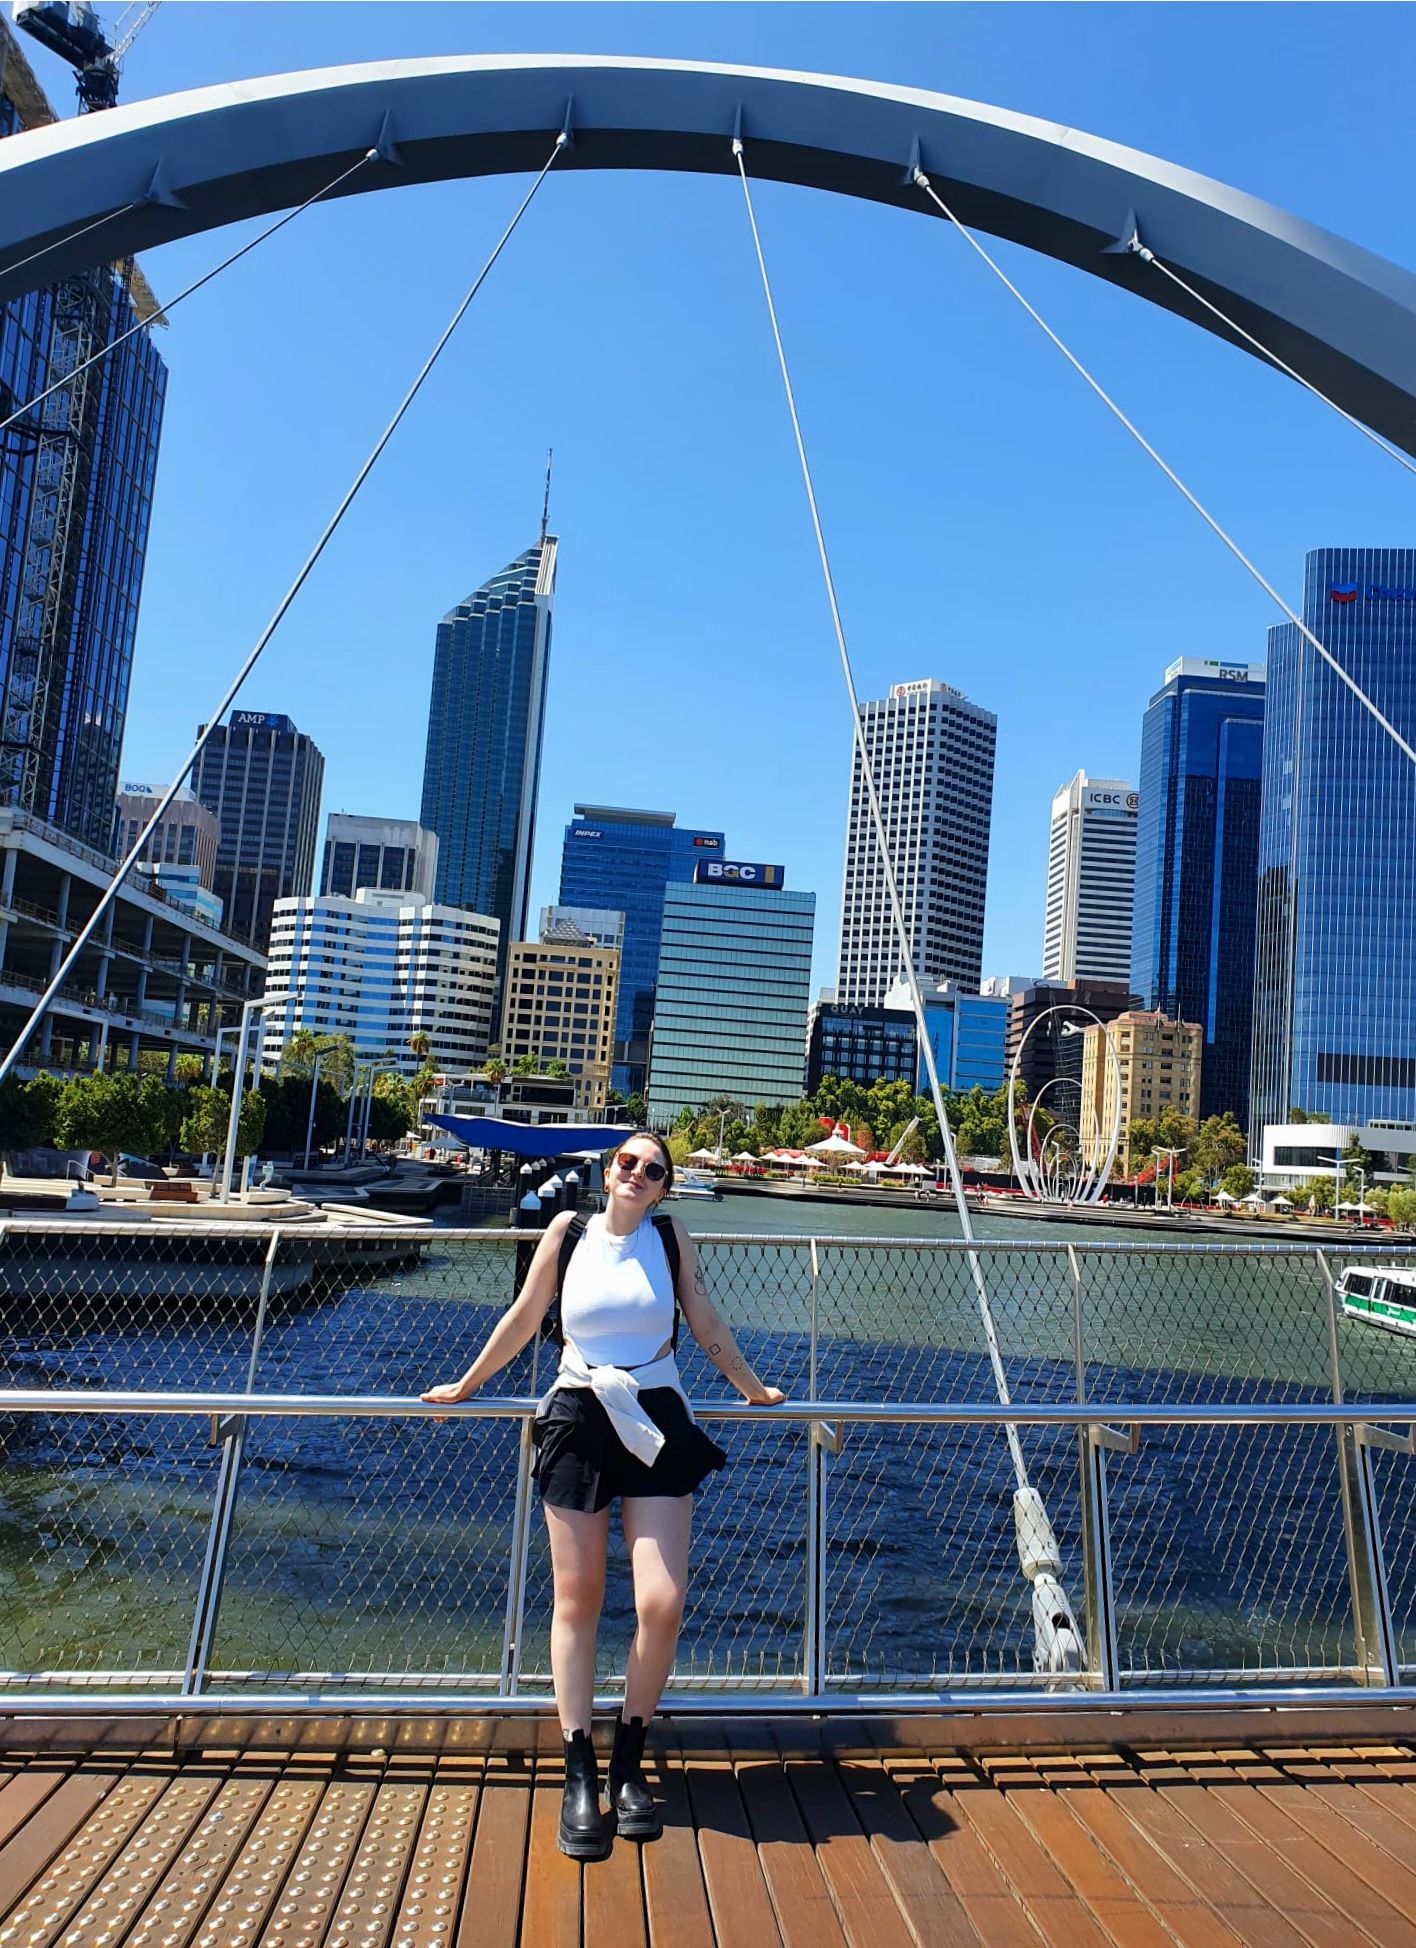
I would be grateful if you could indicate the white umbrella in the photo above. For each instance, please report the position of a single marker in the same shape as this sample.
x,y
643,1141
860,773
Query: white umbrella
x,y
1347,1205
703,1156
1283,1203
744,1156
834,1146
1223,1197
1255,1197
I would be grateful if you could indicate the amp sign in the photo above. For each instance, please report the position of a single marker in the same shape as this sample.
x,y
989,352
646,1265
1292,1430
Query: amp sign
x,y
731,872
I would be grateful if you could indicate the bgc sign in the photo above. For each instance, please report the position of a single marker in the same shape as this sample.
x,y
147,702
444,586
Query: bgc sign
x,y
731,872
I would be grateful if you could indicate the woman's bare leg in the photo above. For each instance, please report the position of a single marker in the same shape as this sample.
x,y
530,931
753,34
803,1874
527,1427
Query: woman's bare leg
x,y
578,1544
656,1530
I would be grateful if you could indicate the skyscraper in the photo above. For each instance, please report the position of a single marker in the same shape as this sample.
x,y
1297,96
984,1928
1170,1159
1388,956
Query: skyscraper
x,y
1091,872
1197,859
393,855
733,990
262,778
614,856
931,751
483,764
1335,979
76,480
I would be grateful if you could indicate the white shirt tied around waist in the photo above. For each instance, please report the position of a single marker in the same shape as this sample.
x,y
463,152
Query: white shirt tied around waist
x,y
617,1309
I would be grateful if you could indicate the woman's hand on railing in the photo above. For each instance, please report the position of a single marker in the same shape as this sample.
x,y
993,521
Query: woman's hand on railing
x,y
764,1397
449,1394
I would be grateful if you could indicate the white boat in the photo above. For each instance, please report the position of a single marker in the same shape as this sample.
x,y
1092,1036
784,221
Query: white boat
x,y
688,1183
1380,1295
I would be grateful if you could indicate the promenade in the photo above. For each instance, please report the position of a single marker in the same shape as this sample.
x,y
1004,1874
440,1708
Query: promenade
x,y
278,1832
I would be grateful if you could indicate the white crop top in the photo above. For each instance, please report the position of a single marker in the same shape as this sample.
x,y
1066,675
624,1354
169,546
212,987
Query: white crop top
x,y
617,1303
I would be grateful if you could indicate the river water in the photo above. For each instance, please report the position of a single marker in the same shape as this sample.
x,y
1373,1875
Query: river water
x,y
377,1547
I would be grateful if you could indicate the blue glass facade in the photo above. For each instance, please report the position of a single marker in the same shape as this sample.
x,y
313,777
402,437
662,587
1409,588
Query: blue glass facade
x,y
623,859
968,1034
76,482
732,993
482,769
1197,853
1335,983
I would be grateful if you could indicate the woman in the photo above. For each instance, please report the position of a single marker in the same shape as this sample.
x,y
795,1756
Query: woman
x,y
616,1423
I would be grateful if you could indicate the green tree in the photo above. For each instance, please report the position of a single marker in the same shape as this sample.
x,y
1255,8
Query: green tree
x,y
528,1065
208,1111
1355,1158
1318,1194
336,1053
557,1067
28,1111
287,1113
1218,1146
1189,1187
113,1113
1401,1207
636,1110
1238,1180
494,1069
1377,1202
1168,1129
1297,1115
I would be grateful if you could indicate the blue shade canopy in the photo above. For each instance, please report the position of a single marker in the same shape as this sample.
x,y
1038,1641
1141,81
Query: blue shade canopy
x,y
531,1139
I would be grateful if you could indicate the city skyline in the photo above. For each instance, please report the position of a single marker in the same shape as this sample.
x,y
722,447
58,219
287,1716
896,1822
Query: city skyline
x,y
706,570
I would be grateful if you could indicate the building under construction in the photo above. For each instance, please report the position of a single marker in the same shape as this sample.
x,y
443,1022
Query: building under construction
x,y
76,482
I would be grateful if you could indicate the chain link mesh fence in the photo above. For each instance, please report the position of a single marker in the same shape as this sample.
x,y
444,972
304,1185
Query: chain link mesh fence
x,y
381,1552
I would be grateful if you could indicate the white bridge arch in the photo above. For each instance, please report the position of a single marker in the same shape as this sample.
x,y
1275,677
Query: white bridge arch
x,y
1341,316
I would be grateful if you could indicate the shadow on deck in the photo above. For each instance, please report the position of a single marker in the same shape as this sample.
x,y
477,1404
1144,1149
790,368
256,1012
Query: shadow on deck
x,y
812,1834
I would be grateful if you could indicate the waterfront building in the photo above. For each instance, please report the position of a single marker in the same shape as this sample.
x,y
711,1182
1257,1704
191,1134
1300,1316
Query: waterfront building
x,y
1291,1153
931,752
1051,1052
1091,872
482,767
1197,860
76,482
620,858
860,1044
188,835
1335,972
383,968
262,778
157,977
392,855
1158,1064
968,1034
558,1003
598,923
734,983
184,884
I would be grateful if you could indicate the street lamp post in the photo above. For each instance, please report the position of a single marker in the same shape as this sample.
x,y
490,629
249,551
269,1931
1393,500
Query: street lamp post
x,y
1340,1162
246,1045
314,1091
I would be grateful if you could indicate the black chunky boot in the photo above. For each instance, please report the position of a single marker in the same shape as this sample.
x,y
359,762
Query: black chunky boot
x,y
585,1833
632,1807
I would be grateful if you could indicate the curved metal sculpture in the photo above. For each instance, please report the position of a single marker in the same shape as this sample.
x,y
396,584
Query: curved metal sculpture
x,y
179,164
1076,1172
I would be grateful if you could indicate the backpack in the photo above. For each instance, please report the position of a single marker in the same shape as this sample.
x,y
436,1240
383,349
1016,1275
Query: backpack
x,y
551,1325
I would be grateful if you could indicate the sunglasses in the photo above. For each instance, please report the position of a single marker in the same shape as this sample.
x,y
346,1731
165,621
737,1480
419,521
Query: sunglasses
x,y
655,1172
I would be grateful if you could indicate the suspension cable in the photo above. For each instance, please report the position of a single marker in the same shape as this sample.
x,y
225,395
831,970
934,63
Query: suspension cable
x,y
60,242
887,864
370,155
136,850
1402,744
1138,249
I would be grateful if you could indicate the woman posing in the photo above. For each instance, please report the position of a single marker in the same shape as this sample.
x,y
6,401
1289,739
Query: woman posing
x,y
616,1423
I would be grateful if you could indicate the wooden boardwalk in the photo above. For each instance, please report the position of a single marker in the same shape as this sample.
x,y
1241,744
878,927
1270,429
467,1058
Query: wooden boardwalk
x,y
803,1842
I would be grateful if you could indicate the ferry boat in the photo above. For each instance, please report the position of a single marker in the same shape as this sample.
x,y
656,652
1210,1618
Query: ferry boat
x,y
1380,1295
688,1183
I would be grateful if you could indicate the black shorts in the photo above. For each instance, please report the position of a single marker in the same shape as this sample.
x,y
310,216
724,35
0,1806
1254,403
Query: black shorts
x,y
583,1464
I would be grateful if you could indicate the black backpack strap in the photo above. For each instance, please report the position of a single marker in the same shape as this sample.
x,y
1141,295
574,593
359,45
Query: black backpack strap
x,y
551,1327
668,1238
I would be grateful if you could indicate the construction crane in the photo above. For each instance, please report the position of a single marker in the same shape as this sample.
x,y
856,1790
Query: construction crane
x,y
72,30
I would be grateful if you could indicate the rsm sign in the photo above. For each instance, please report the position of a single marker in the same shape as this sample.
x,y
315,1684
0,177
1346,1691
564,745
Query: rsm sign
x,y
736,872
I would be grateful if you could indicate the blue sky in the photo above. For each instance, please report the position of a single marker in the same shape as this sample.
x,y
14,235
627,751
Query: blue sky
x,y
989,525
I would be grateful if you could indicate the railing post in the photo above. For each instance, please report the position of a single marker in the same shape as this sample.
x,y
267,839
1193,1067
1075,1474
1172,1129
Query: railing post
x,y
1099,1593
1378,1656
814,1648
517,1568
213,1576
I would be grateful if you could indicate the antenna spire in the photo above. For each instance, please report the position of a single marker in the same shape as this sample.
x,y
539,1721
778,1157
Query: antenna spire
x,y
546,503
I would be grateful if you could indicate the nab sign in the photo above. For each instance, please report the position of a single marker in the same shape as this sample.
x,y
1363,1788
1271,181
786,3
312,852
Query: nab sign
x,y
734,872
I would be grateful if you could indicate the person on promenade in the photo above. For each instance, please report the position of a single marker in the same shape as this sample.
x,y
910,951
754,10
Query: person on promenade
x,y
616,1423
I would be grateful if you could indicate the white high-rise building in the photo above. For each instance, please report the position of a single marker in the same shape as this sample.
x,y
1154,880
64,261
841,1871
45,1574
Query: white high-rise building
x,y
931,751
382,968
391,855
1091,881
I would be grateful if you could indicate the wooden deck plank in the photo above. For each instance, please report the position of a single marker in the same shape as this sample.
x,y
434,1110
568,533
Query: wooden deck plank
x,y
1116,1903
133,1876
245,1898
26,1790
491,1904
431,1894
368,1901
1033,1877
613,1895
738,1899
932,1910
550,1915
981,1891
316,1877
175,1912
59,1854
675,1894
800,1894
864,1897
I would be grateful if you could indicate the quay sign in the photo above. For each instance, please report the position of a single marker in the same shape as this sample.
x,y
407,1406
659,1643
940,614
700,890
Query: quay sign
x,y
733,872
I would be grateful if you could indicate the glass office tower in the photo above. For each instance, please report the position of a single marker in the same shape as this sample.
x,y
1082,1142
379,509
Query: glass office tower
x,y
1335,984
263,779
76,482
614,856
482,769
1197,856
733,991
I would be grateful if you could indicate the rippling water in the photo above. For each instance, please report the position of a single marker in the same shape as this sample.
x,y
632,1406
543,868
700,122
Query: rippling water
x,y
378,1546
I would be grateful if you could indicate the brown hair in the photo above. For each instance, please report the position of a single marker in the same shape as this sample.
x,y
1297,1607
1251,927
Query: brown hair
x,y
654,1137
